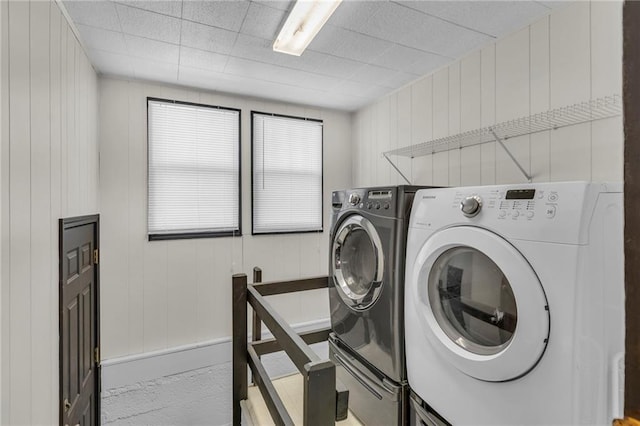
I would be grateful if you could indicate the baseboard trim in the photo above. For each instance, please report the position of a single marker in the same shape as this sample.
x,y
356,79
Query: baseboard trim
x,y
131,369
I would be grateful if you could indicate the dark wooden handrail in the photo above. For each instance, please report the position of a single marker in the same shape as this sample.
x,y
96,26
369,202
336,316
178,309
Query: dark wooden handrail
x,y
320,396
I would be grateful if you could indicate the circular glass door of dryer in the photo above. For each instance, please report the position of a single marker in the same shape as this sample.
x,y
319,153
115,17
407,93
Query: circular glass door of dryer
x,y
480,303
472,301
358,262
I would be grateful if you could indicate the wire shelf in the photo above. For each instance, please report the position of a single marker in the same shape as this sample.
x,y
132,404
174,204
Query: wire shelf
x,y
584,112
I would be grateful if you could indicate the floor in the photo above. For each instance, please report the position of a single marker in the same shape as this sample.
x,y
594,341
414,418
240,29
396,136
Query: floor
x,y
290,390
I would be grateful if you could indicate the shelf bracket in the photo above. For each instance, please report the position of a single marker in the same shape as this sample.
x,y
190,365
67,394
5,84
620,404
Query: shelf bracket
x,y
522,170
396,168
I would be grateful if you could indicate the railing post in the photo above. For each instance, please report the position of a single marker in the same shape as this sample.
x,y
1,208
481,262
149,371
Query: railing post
x,y
239,361
319,393
256,330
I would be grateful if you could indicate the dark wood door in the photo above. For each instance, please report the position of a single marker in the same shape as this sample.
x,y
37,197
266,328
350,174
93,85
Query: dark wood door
x,y
79,348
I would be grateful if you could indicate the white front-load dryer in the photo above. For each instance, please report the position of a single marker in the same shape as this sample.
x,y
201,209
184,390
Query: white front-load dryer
x,y
514,304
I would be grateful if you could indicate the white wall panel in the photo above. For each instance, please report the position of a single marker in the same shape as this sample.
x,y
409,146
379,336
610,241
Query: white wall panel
x,y
57,21
606,48
470,113
394,178
470,95
488,112
607,155
170,293
454,121
570,52
114,193
441,103
570,56
383,167
41,307
488,85
137,216
422,128
51,102
403,119
539,96
441,168
20,208
512,76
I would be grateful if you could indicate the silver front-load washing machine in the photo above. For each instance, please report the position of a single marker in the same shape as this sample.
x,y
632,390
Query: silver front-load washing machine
x,y
366,297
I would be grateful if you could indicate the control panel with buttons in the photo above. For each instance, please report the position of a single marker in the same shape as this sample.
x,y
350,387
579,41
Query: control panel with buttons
x,y
378,201
520,205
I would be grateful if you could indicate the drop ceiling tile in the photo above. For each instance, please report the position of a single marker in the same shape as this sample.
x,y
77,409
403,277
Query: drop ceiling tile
x,y
222,14
412,28
169,7
348,44
354,88
199,78
338,67
154,70
362,47
101,14
110,63
319,82
343,102
372,74
151,49
266,72
496,18
262,21
259,49
208,38
148,24
309,61
196,58
354,15
328,39
399,79
410,60
285,5
97,38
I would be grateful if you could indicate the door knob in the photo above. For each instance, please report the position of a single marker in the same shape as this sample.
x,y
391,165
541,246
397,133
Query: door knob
x,y
67,404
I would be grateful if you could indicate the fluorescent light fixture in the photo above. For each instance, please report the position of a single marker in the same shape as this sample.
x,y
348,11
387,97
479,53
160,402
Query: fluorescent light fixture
x,y
303,23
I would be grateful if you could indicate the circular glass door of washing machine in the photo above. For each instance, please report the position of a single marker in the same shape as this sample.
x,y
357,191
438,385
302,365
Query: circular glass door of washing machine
x,y
358,262
480,303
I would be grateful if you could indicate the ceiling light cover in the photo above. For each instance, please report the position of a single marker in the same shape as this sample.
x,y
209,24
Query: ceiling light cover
x,y
303,23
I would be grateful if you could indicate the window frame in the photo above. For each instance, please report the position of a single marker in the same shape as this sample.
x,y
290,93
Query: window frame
x,y
316,231
204,234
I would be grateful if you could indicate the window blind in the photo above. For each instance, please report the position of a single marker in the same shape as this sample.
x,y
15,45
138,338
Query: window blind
x,y
287,174
194,169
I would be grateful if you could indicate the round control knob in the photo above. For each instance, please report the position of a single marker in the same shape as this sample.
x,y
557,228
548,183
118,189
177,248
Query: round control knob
x,y
377,205
471,206
515,214
354,199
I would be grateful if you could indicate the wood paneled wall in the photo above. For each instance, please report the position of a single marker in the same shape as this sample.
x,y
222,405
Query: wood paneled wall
x,y
571,56
163,294
49,170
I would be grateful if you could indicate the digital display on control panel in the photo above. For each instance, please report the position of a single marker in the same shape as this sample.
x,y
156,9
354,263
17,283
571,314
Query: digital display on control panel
x,y
520,194
377,195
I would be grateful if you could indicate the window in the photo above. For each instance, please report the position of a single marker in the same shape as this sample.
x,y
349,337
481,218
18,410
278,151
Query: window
x,y
194,170
287,174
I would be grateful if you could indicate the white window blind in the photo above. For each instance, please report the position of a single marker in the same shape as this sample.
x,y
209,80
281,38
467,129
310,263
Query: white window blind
x,y
194,169
287,174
